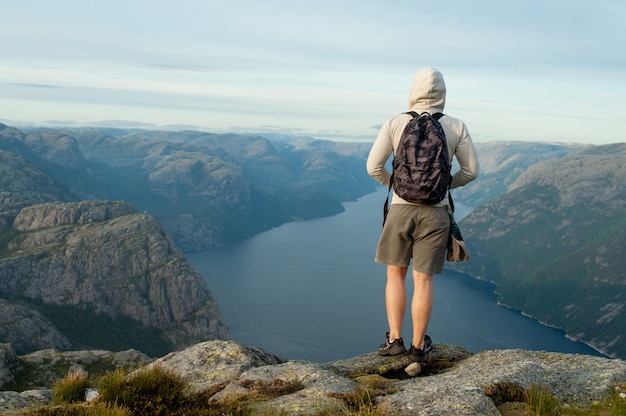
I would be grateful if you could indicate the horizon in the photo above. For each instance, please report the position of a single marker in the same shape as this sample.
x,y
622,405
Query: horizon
x,y
267,135
328,70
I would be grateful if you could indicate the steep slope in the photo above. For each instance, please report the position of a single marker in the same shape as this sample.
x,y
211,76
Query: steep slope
x,y
501,163
103,276
555,245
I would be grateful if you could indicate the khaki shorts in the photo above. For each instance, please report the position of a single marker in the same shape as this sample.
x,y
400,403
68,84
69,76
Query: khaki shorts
x,y
415,231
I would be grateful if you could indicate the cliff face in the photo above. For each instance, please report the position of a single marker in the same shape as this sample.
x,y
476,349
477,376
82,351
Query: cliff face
x,y
101,259
555,245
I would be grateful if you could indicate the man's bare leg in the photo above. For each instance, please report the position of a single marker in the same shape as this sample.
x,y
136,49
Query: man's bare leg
x,y
421,306
395,300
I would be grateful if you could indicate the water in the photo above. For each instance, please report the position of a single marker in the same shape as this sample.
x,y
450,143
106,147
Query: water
x,y
311,290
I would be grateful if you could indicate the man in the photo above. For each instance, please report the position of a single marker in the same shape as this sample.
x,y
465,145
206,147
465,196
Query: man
x,y
414,231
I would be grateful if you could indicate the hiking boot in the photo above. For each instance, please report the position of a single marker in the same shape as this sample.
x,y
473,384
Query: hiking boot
x,y
392,348
419,354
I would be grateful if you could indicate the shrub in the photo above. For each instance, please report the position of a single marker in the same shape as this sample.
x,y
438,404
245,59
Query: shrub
x,y
150,390
112,385
71,389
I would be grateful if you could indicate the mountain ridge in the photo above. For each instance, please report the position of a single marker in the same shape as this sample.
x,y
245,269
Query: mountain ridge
x,y
554,245
206,189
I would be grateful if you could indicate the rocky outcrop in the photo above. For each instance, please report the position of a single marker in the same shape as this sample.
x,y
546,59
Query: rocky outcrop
x,y
104,259
39,370
453,381
79,213
462,389
47,365
216,362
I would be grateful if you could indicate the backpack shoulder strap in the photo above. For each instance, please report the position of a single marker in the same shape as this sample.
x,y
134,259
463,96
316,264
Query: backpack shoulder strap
x,y
436,116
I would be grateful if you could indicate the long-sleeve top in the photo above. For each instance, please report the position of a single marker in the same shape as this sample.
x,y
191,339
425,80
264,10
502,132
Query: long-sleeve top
x,y
427,94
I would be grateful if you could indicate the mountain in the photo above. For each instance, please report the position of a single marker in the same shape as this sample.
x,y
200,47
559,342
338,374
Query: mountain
x,y
555,244
205,189
81,267
501,163
548,229
96,274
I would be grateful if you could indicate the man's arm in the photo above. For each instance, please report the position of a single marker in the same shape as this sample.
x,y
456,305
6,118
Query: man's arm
x,y
379,154
468,161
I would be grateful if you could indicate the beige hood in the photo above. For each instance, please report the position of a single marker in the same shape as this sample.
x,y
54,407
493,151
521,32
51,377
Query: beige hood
x,y
428,92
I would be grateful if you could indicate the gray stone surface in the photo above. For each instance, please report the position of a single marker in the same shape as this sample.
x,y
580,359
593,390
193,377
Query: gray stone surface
x,y
453,381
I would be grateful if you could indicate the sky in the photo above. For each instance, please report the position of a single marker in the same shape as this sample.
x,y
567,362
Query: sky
x,y
515,70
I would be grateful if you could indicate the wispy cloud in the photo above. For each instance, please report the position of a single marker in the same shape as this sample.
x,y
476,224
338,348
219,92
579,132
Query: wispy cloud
x,y
323,68
32,85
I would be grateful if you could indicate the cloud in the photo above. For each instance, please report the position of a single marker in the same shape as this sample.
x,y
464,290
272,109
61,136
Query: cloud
x,y
266,129
122,124
323,68
33,85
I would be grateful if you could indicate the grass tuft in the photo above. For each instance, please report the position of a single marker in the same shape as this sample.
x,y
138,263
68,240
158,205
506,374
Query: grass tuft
x,y
71,389
148,391
541,401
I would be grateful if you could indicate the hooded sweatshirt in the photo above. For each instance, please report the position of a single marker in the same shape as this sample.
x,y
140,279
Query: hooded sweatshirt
x,y
427,94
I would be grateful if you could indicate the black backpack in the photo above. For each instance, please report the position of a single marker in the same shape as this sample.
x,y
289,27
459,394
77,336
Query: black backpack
x,y
421,165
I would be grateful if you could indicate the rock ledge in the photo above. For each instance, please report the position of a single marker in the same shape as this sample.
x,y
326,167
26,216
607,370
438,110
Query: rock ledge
x,y
453,380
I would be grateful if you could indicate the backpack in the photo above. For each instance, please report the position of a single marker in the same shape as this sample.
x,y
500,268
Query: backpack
x,y
421,165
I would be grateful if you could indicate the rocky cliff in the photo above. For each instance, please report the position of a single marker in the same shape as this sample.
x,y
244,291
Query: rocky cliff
x,y
96,274
555,245
452,381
